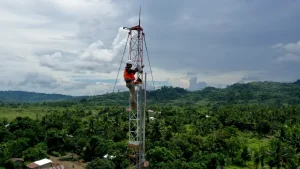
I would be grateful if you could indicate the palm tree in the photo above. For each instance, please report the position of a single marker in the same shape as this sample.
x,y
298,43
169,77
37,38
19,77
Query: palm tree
x,y
157,130
262,155
280,154
256,159
245,154
294,139
90,129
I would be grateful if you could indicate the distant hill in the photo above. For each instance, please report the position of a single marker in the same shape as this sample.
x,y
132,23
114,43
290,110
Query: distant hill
x,y
23,96
297,82
253,92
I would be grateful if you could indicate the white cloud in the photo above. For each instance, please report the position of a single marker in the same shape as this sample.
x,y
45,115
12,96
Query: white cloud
x,y
290,52
289,47
188,80
95,58
42,36
64,39
289,57
13,18
85,8
194,85
219,78
95,53
47,83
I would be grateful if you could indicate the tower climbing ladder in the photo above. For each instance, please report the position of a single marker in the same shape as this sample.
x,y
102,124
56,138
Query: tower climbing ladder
x,y
136,144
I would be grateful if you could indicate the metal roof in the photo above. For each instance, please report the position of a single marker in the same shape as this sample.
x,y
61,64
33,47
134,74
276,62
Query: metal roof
x,y
43,162
39,163
17,159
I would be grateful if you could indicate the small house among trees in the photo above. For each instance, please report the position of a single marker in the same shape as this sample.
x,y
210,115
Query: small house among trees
x,y
44,164
19,162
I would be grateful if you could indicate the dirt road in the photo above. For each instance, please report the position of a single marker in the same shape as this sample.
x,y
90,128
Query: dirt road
x,y
68,162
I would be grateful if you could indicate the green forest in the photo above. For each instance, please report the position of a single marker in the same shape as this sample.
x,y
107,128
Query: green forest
x,y
251,125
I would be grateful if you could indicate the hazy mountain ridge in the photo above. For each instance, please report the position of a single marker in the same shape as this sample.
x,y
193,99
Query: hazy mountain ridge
x,y
24,96
268,92
253,92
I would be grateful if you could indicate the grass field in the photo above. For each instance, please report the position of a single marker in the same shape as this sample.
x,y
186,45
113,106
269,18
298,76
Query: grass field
x,y
32,112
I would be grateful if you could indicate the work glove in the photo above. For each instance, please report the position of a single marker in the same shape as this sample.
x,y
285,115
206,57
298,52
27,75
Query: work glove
x,y
140,69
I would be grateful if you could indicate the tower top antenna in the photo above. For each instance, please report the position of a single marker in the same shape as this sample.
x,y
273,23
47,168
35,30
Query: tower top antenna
x,y
140,16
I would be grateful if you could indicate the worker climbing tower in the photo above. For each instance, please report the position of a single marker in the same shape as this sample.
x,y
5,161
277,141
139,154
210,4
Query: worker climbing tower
x,y
136,144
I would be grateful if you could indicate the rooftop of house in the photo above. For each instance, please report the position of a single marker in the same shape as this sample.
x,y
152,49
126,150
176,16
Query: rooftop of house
x,y
39,163
32,165
17,159
43,162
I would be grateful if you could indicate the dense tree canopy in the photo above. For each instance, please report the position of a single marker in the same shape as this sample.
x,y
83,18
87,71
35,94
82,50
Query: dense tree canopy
x,y
255,124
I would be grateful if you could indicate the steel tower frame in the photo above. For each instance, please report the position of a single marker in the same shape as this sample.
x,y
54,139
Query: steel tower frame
x,y
136,146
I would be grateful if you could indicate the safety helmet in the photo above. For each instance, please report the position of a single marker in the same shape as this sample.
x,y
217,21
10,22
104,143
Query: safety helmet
x,y
129,62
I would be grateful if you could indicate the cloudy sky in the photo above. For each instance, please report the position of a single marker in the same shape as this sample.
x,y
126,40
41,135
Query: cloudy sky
x,y
75,47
